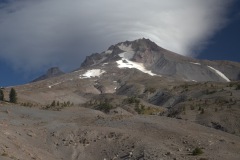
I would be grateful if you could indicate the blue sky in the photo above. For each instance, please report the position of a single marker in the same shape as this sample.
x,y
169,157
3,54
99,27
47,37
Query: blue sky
x,y
37,35
225,44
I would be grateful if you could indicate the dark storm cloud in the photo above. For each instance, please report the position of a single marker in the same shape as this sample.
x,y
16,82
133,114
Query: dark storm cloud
x,y
38,33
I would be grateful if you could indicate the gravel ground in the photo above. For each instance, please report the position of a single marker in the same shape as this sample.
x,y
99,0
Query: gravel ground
x,y
77,133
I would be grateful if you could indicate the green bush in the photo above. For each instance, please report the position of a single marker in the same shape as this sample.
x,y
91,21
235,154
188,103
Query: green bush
x,y
238,87
53,104
210,92
132,100
56,105
4,154
192,107
27,104
150,90
197,151
202,111
105,107
141,109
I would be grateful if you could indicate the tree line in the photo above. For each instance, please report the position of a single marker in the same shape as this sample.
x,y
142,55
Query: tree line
x,y
12,96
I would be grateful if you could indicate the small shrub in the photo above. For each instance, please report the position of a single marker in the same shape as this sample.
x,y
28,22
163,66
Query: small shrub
x,y
238,87
27,104
197,151
105,107
150,90
53,104
132,100
139,109
184,108
56,105
202,111
230,85
4,154
192,107
68,103
199,108
210,92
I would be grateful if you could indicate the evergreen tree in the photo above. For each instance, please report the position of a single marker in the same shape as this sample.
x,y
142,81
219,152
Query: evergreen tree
x,y
1,95
13,96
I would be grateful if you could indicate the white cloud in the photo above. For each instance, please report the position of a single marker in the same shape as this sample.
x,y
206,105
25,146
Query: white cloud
x,y
38,33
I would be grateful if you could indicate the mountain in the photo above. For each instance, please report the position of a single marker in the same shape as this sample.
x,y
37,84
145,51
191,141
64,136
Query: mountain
x,y
165,63
52,72
134,101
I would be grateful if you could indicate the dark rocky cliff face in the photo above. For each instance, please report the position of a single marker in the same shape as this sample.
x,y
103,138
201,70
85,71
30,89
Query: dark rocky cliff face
x,y
52,72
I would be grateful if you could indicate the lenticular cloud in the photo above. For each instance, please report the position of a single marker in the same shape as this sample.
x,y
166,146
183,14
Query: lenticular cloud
x,y
34,34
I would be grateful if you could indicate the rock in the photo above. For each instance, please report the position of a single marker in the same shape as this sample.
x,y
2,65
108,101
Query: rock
x,y
51,72
30,134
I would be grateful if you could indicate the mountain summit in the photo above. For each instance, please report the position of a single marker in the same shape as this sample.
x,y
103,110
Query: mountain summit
x,y
159,61
51,72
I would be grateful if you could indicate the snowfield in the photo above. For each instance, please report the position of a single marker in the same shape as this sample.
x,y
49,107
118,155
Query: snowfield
x,y
92,73
126,55
50,86
126,63
58,83
104,64
220,74
195,63
108,52
125,48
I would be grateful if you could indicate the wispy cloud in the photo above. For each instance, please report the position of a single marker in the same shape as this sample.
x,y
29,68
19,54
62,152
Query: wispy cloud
x,y
39,33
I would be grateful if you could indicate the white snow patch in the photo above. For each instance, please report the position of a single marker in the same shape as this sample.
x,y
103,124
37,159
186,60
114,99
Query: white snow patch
x,y
125,47
50,86
77,71
126,63
195,63
104,64
126,55
55,84
108,52
92,73
219,73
